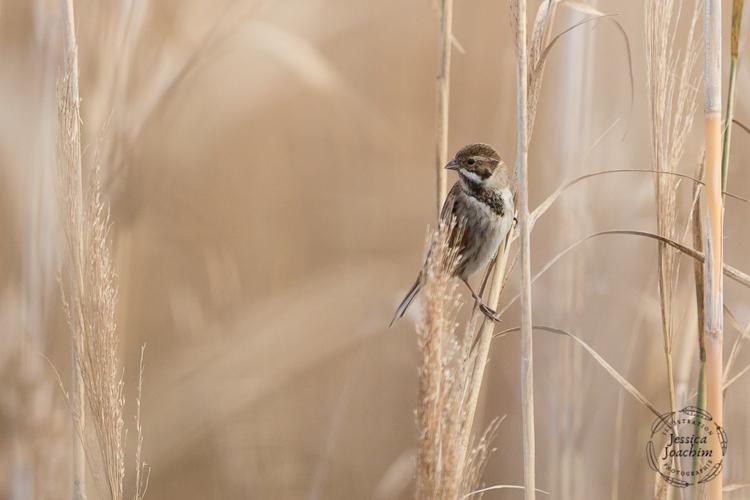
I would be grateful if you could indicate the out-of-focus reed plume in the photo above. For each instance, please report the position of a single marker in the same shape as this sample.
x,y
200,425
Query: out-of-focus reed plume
x,y
89,293
673,86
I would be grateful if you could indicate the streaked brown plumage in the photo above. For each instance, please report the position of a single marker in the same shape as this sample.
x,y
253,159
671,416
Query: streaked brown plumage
x,y
481,201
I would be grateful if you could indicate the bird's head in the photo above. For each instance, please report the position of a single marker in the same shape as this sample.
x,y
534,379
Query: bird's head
x,y
478,163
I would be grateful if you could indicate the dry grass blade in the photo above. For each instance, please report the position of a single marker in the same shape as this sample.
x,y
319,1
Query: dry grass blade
x,y
742,126
543,207
588,9
734,379
736,487
697,231
142,470
497,487
729,271
541,45
540,34
743,333
630,388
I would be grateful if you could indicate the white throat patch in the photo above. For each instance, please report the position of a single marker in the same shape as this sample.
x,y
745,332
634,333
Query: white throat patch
x,y
470,176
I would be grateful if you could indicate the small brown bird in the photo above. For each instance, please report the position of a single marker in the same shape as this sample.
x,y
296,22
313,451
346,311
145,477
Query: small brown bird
x,y
482,203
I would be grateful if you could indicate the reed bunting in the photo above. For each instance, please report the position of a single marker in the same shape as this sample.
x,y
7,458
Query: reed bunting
x,y
481,201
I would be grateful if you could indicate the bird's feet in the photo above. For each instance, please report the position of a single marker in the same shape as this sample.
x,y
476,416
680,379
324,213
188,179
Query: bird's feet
x,y
488,311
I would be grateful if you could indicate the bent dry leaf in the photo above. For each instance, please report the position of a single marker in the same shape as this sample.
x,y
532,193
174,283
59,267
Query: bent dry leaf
x,y
729,271
632,390
547,203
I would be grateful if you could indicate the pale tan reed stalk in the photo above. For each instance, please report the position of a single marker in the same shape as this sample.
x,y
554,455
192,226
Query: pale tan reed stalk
x,y
713,296
518,9
443,100
483,345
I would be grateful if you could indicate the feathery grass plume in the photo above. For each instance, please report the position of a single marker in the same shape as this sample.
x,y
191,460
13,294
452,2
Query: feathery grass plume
x,y
89,296
439,352
445,372
477,459
713,232
89,292
672,92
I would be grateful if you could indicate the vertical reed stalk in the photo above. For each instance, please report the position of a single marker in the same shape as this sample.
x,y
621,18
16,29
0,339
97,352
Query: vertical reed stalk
x,y
443,101
713,225
77,399
483,347
527,360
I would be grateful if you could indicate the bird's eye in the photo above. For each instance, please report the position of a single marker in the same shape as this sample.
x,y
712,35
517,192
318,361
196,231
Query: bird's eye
x,y
471,161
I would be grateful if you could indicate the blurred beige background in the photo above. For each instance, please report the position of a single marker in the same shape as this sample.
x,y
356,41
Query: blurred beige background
x,y
271,186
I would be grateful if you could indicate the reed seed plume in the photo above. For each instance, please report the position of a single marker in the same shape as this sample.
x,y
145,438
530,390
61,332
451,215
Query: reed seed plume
x,y
443,469
438,382
89,293
673,86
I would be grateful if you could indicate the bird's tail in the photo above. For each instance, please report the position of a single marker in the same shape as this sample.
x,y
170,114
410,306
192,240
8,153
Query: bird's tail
x,y
407,300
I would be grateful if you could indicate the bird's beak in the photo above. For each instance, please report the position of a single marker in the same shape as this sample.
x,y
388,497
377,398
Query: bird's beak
x,y
452,165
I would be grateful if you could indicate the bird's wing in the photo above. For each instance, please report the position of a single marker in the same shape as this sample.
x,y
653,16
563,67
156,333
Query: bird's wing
x,y
450,202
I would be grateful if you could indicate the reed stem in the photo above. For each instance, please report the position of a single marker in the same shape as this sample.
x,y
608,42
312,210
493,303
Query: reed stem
x,y
713,225
77,399
527,359
443,101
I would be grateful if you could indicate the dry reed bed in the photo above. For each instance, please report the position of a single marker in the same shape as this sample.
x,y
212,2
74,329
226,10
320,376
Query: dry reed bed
x,y
291,325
